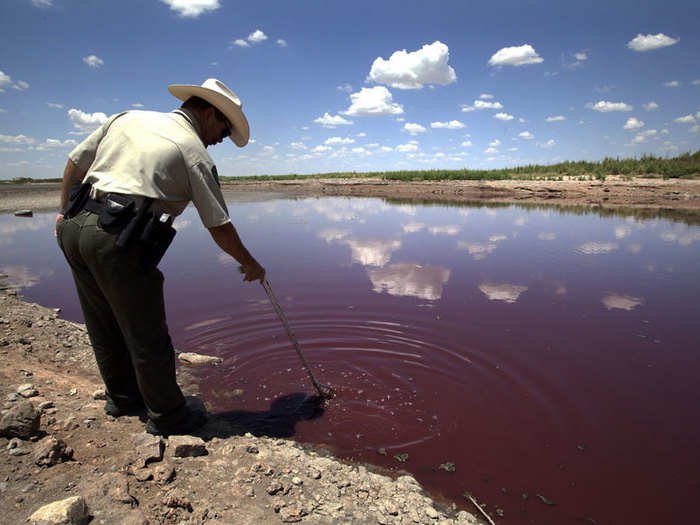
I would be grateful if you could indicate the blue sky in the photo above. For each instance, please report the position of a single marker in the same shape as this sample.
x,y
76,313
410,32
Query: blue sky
x,y
360,86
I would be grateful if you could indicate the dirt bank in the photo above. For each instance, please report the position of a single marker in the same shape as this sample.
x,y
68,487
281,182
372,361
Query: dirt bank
x,y
615,191
57,443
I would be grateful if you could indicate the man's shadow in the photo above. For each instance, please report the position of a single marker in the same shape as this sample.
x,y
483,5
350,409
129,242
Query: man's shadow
x,y
279,421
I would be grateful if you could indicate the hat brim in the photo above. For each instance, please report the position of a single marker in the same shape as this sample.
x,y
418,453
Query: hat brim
x,y
241,131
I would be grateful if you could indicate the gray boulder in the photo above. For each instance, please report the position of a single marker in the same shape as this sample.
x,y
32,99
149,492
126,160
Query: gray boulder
x,y
22,421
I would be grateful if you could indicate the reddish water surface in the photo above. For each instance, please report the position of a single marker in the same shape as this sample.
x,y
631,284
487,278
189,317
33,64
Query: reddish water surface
x,y
552,357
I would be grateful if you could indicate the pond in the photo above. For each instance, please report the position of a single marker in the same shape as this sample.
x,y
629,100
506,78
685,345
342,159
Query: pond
x,y
545,360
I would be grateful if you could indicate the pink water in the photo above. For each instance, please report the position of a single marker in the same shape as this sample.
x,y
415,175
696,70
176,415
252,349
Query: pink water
x,y
541,352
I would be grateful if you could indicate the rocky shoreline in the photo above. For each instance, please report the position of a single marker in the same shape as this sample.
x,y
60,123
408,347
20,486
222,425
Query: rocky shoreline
x,y
65,461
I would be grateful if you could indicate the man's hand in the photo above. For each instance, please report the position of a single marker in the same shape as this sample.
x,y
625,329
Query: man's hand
x,y
253,271
55,228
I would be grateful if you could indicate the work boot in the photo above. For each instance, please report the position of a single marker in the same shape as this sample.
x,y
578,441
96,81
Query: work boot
x,y
130,409
192,419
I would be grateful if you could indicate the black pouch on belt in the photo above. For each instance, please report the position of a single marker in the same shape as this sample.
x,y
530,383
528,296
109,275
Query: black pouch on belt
x,y
78,197
116,213
156,238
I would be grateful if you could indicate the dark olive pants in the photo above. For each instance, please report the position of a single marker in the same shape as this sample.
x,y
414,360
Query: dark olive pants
x,y
124,312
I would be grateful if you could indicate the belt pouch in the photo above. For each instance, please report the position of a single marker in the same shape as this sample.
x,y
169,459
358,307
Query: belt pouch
x,y
116,212
156,238
78,197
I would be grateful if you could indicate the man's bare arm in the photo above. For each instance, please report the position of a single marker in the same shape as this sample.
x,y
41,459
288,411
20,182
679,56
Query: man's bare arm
x,y
228,240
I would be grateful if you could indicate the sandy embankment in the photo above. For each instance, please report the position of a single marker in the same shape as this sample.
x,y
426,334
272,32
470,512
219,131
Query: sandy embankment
x,y
615,191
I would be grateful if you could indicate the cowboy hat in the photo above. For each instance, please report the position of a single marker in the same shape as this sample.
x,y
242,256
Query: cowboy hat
x,y
216,93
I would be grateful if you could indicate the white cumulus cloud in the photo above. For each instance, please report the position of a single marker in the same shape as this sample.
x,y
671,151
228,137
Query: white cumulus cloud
x,y
685,119
555,119
93,61
648,42
480,104
192,8
604,106
549,144
407,148
452,124
240,43
515,56
651,106
281,42
373,101
42,3
414,129
643,136
17,139
503,116
633,123
333,141
6,81
328,121
86,122
412,70
672,83
526,135
257,36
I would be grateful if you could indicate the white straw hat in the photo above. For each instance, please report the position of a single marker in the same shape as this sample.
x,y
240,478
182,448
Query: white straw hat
x,y
216,93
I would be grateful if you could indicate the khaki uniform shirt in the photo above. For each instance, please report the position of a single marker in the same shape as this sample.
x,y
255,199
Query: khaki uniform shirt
x,y
157,155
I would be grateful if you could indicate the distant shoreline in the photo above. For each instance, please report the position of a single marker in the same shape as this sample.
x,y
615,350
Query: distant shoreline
x,y
612,192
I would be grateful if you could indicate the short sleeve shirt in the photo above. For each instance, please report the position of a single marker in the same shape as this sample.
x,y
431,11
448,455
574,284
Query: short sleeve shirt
x,y
157,155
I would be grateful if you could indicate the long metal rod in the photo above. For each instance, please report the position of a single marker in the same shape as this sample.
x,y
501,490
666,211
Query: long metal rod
x,y
328,392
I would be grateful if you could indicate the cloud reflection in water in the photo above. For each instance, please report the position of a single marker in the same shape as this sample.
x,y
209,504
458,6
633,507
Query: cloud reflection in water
x,y
508,293
408,279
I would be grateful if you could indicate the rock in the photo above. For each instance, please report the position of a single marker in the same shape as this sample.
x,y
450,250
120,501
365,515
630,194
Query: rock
x,y
45,405
27,390
50,451
274,488
431,513
292,514
391,508
99,395
448,467
14,443
187,446
70,423
163,474
116,486
147,448
251,449
297,481
143,475
193,359
402,458
70,511
177,499
24,213
19,451
21,421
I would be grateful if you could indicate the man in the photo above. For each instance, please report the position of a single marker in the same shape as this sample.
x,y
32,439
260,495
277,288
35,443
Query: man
x,y
150,165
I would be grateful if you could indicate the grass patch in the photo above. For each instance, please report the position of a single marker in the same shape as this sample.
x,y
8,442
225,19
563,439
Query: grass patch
x,y
684,166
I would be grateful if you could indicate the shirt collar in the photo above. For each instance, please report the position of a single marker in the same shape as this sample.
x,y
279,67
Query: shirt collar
x,y
190,117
